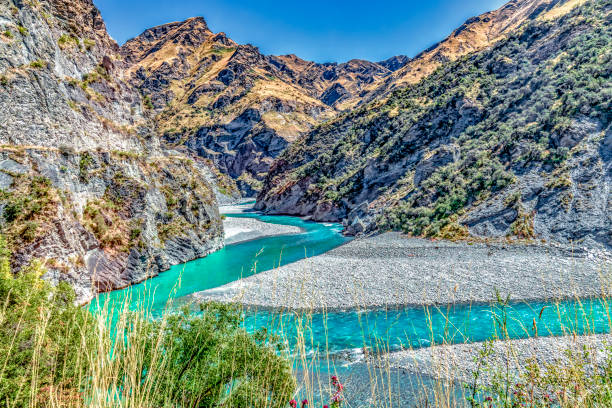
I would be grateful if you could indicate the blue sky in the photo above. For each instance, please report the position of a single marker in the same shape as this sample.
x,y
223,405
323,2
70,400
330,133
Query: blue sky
x,y
318,30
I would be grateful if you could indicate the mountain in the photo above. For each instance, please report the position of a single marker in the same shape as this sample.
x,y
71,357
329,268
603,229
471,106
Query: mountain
x,y
512,140
475,34
85,187
233,105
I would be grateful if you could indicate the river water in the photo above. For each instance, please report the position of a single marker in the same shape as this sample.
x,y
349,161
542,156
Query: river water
x,y
346,333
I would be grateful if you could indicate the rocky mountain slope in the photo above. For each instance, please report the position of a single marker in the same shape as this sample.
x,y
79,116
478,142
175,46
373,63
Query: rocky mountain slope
x,y
85,188
513,140
231,104
475,34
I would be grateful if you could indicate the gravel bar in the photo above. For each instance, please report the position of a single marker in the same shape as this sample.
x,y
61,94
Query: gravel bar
x,y
458,362
246,229
390,270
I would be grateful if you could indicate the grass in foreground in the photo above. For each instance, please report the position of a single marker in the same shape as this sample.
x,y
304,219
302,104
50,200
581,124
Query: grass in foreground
x,y
55,354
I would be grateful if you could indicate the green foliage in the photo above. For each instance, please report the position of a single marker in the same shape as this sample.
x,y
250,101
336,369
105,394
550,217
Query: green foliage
x,y
102,218
213,361
89,44
22,30
73,105
85,162
8,34
42,336
67,40
25,204
148,104
4,81
38,64
523,227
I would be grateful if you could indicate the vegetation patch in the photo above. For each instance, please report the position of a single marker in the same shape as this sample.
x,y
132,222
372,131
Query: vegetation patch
x,y
85,163
38,64
28,208
523,227
22,30
67,40
102,218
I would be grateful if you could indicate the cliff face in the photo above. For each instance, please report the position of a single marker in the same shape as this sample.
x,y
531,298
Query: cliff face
x,y
84,184
231,104
513,140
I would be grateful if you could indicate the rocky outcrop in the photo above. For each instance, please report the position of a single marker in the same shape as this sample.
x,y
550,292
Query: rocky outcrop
x,y
116,221
469,150
85,186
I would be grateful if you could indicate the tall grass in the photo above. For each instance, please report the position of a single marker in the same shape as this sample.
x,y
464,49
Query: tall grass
x,y
57,355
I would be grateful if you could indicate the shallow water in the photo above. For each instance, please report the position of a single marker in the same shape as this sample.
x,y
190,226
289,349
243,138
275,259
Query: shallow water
x,y
230,263
347,330
346,333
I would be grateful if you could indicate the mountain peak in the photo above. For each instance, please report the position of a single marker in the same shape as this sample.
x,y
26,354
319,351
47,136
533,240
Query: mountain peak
x,y
192,33
394,63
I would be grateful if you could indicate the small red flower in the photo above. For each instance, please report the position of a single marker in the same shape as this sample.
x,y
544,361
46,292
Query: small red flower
x,y
293,403
304,403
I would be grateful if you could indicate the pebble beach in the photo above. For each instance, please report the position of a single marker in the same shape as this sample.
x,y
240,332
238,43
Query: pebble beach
x,y
390,270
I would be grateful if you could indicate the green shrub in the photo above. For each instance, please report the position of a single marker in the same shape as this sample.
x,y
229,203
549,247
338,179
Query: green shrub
x,y
216,362
28,231
148,104
67,40
85,162
8,34
22,30
38,64
89,44
29,201
523,226
42,336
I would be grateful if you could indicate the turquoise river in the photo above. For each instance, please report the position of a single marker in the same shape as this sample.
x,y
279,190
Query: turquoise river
x,y
353,329
344,334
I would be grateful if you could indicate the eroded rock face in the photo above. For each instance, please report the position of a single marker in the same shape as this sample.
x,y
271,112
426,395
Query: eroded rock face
x,y
60,84
110,223
85,186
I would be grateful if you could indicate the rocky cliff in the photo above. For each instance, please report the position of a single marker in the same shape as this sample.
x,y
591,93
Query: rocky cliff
x,y
231,104
84,185
513,140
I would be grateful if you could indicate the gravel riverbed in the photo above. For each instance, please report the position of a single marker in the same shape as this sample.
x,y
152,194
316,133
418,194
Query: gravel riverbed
x,y
391,270
246,229
458,362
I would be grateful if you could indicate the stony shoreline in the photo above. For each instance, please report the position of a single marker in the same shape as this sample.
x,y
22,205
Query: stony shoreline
x,y
458,362
389,270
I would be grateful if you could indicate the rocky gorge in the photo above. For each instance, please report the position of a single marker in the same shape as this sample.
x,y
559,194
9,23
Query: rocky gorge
x,y
114,159
86,188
